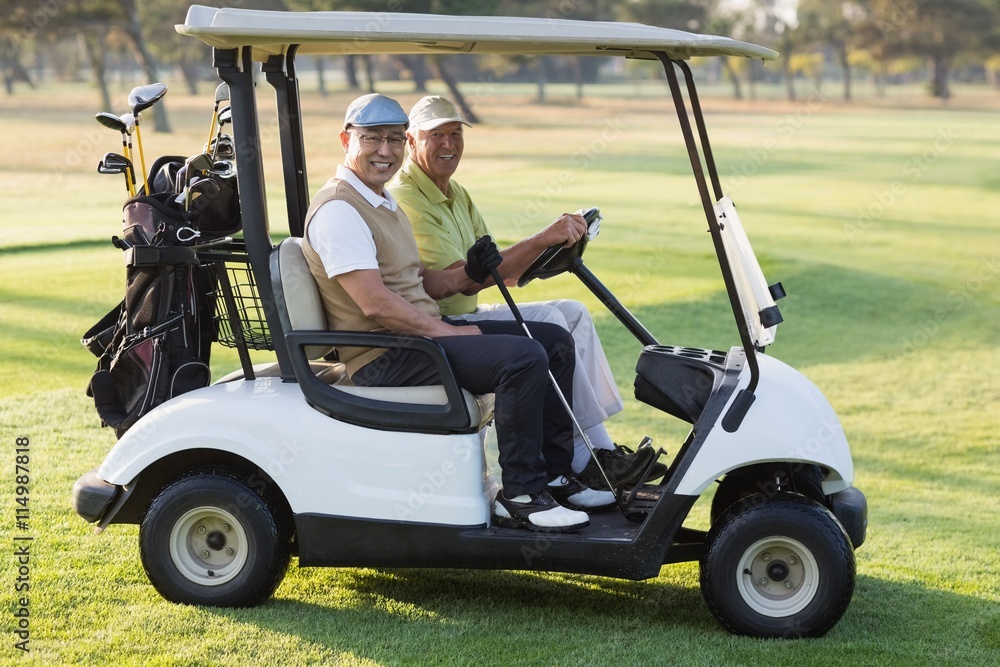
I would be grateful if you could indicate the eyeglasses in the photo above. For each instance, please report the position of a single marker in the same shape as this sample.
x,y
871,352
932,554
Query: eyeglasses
x,y
375,140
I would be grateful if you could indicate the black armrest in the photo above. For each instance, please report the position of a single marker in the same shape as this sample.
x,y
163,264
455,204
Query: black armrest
x,y
373,413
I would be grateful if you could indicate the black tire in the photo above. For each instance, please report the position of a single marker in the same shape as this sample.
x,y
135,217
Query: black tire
x,y
210,539
778,567
806,479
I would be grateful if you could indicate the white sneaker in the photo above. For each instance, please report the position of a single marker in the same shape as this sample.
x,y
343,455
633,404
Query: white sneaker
x,y
537,511
570,491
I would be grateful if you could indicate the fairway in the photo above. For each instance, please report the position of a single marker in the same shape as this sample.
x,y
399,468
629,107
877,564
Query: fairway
x,y
881,222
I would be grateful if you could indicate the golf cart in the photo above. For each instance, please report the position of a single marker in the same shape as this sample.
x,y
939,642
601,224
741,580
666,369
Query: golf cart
x,y
230,480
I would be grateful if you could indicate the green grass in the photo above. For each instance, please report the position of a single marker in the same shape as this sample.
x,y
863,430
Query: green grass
x,y
893,311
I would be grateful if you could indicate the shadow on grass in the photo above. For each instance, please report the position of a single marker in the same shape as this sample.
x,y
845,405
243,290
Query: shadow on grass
x,y
457,616
81,244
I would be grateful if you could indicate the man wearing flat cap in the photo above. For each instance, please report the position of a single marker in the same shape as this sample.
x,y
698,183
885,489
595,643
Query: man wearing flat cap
x,y
446,221
361,251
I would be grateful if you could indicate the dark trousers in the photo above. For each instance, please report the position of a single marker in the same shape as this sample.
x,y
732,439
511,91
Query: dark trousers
x,y
534,432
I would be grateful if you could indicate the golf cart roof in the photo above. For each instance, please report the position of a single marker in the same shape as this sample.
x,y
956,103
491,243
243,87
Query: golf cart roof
x,y
271,33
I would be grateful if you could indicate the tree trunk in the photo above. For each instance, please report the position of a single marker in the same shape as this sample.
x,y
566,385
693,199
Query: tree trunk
x,y
145,59
418,70
578,76
13,70
540,73
789,76
369,72
321,75
351,72
845,68
190,74
94,45
437,64
733,78
941,66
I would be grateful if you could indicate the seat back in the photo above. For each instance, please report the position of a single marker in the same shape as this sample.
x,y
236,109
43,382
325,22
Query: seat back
x,y
299,296
300,308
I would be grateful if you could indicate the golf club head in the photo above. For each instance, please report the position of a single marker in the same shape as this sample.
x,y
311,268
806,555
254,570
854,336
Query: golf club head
x,y
111,121
129,121
223,169
198,164
103,168
201,192
143,97
114,163
225,116
222,148
204,188
222,92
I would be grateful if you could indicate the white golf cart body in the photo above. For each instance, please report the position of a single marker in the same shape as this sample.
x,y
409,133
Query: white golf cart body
x,y
397,476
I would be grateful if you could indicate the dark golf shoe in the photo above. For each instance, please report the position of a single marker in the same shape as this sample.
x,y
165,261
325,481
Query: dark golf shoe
x,y
622,466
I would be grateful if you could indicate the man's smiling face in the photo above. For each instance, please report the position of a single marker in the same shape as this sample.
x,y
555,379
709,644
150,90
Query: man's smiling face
x,y
438,151
374,154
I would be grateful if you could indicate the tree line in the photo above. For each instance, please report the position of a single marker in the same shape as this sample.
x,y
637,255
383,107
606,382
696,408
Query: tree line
x,y
886,40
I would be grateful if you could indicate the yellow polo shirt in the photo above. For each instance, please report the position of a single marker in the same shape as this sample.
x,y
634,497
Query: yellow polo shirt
x,y
445,226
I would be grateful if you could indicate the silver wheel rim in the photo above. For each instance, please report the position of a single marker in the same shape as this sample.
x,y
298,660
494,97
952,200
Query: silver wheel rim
x,y
208,546
777,576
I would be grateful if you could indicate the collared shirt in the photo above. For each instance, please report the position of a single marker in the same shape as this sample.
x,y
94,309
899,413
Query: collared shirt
x,y
340,236
445,226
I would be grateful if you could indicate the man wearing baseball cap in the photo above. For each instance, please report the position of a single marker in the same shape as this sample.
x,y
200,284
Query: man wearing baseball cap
x,y
446,221
361,251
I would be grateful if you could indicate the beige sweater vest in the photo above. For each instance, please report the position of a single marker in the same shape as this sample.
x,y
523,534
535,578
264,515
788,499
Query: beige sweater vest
x,y
398,264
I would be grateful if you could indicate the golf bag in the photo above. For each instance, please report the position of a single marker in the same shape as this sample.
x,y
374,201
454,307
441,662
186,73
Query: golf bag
x,y
156,343
217,218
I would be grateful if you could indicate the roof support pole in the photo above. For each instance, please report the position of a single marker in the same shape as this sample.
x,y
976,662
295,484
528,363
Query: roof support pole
x,y
707,203
235,67
280,73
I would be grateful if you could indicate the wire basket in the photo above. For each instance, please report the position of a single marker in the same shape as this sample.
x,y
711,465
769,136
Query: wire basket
x,y
239,313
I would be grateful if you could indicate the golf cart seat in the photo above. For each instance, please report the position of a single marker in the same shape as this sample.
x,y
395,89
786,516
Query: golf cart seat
x,y
434,408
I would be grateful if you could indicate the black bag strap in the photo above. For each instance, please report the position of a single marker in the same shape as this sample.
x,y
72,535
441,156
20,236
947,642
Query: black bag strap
x,y
153,256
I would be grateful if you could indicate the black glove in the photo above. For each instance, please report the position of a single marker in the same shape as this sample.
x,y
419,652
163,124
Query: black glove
x,y
481,258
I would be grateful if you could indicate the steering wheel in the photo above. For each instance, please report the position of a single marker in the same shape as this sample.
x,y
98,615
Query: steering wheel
x,y
558,258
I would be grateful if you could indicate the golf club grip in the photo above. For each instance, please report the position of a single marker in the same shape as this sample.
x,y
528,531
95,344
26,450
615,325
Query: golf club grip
x,y
495,274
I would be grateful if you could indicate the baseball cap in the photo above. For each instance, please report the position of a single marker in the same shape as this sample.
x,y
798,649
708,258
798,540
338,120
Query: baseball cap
x,y
433,111
374,109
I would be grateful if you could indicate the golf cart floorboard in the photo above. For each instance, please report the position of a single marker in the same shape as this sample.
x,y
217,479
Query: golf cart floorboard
x,y
610,546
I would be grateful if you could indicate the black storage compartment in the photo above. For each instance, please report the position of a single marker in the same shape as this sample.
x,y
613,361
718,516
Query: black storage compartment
x,y
678,380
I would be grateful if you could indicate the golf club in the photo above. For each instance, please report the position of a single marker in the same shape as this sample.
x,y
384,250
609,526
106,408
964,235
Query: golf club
x,y
200,193
196,166
197,195
140,99
631,516
222,149
225,116
221,93
113,163
113,122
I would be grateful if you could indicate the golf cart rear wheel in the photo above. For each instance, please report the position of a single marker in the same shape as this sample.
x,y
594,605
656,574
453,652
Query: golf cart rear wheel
x,y
210,539
778,567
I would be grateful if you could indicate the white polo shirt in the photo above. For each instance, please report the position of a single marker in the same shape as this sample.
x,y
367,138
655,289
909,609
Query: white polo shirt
x,y
340,236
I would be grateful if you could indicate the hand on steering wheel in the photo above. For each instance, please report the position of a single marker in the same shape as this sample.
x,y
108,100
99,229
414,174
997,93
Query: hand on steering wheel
x,y
559,258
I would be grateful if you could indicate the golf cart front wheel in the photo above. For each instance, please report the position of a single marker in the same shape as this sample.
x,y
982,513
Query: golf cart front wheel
x,y
778,567
210,539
